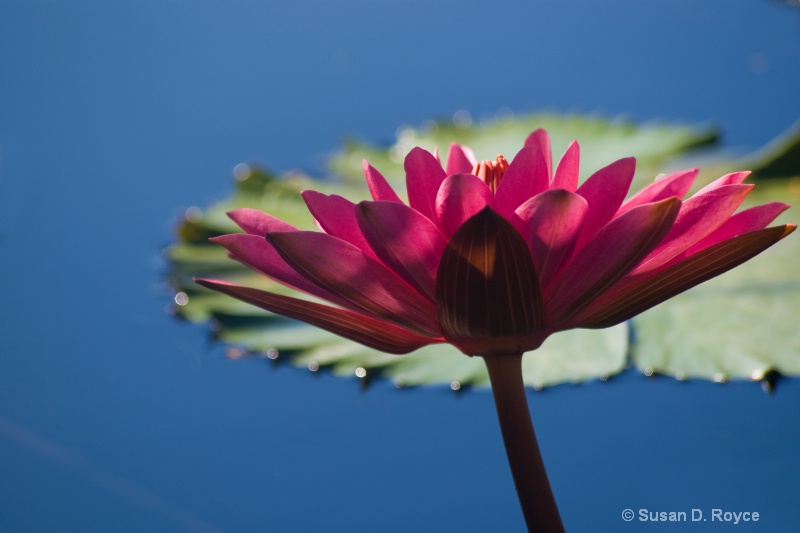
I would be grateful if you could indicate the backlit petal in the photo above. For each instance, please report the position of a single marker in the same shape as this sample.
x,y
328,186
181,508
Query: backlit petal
x,y
552,222
675,184
734,178
424,176
752,219
638,294
405,241
341,268
378,186
460,197
459,161
700,215
258,254
363,329
526,176
337,216
541,140
568,169
604,191
257,223
614,251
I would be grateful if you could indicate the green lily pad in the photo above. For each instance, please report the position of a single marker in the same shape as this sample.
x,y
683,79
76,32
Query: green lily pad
x,y
737,326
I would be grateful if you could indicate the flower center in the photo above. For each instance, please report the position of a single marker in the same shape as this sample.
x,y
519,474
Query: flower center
x,y
491,172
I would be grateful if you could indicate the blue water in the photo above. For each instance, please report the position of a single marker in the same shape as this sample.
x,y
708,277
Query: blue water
x,y
117,116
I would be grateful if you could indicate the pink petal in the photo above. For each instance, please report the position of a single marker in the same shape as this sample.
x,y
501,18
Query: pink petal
x,y
258,254
527,176
365,284
337,216
676,184
752,219
363,329
460,197
616,249
734,178
605,190
458,161
378,186
405,241
257,223
635,295
470,155
552,222
541,139
568,169
699,216
424,176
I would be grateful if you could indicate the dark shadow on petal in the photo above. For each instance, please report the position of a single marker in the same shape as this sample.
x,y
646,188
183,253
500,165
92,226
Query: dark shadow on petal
x,y
485,286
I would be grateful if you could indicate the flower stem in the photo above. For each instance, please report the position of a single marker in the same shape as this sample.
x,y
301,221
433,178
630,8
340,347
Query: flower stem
x,y
524,458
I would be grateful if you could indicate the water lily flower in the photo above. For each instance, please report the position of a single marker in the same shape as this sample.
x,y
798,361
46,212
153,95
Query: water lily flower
x,y
493,257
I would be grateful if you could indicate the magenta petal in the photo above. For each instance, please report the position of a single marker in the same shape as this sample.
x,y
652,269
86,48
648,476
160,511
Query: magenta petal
x,y
552,222
616,249
526,176
699,216
424,176
734,178
605,190
676,184
258,254
360,328
378,186
635,295
752,219
257,223
405,241
541,140
460,197
568,169
339,267
337,216
458,161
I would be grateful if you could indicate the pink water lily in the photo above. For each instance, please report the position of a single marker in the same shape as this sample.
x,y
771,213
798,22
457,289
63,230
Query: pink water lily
x,y
494,257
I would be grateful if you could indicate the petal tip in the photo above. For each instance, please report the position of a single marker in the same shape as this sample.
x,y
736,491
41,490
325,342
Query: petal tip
x,y
233,213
